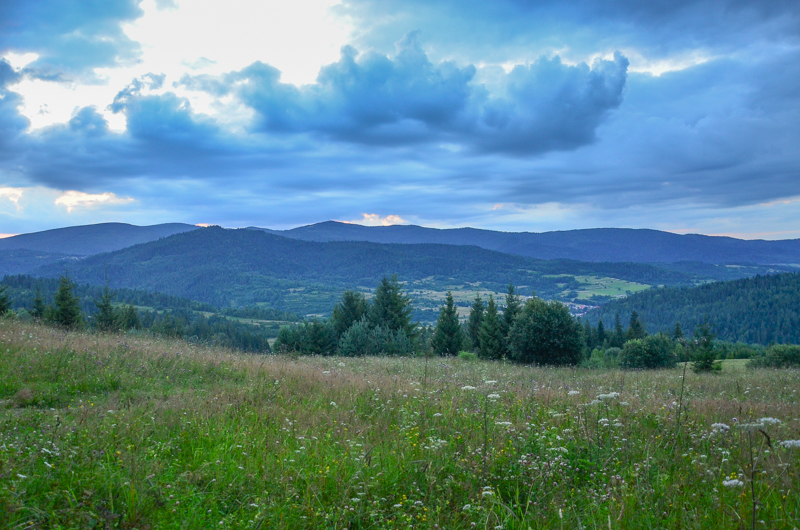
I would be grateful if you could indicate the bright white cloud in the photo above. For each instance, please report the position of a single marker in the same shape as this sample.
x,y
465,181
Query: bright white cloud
x,y
78,199
12,194
374,219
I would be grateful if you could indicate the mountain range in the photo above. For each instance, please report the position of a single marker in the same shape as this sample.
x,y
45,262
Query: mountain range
x,y
596,244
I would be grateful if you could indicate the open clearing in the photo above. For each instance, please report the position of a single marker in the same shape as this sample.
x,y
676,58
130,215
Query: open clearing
x,y
134,432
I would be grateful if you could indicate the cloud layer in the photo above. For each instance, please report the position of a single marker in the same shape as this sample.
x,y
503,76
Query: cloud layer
x,y
505,115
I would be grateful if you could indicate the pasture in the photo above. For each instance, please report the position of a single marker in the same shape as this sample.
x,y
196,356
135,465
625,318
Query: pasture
x,y
130,431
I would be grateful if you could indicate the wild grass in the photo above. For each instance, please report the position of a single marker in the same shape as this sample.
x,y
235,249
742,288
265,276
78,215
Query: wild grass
x,y
106,431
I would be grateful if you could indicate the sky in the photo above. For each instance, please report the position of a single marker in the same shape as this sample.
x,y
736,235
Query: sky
x,y
513,115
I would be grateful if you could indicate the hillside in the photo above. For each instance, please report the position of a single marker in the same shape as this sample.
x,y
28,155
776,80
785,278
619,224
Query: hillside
x,y
760,310
90,239
240,267
593,245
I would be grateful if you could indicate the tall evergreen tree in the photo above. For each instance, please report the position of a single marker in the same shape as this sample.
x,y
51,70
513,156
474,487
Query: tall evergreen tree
x,y
129,318
106,317
491,338
350,310
677,334
588,335
448,337
618,337
601,332
636,328
391,307
5,303
474,321
512,309
38,304
67,310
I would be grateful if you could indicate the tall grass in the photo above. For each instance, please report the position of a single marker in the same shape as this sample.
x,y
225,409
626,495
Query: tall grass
x,y
122,431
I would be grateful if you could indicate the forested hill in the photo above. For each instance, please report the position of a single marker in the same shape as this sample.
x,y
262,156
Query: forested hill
x,y
91,239
760,310
240,267
597,244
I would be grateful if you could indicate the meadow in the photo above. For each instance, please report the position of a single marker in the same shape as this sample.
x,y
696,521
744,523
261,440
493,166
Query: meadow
x,y
131,431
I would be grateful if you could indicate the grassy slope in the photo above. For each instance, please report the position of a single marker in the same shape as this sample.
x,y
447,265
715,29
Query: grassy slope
x,y
127,432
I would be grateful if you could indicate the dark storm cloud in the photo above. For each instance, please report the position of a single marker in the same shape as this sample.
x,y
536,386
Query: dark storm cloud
x,y
373,99
11,123
70,36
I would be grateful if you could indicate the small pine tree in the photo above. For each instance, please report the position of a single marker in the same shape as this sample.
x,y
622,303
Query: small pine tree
x,y
448,336
677,334
492,341
5,303
129,318
39,306
474,321
67,311
704,358
636,328
106,318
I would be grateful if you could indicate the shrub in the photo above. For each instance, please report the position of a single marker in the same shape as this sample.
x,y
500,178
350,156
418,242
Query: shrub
x,y
778,356
655,351
545,333
467,356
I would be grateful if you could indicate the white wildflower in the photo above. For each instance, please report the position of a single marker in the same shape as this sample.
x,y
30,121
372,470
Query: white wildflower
x,y
790,444
610,395
733,483
503,423
573,393
490,382
493,396
467,387
770,421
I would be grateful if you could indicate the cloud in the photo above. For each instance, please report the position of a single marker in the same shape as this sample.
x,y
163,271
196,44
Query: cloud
x,y
12,194
78,199
374,219
71,37
372,99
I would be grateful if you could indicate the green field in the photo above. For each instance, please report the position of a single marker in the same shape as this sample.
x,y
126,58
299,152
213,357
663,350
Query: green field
x,y
117,431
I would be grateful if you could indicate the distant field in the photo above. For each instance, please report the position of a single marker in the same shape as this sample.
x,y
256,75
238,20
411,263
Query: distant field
x,y
604,286
130,432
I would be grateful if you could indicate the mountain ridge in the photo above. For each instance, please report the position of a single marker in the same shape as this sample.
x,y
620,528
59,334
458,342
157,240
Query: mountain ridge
x,y
637,245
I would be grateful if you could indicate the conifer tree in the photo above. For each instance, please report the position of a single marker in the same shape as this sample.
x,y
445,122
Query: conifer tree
x,y
129,318
588,336
601,332
513,306
677,334
618,337
106,318
67,310
448,336
5,303
636,328
391,308
350,310
474,321
491,339
38,304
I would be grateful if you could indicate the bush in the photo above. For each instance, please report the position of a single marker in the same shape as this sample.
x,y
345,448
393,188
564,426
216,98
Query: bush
x,y
603,359
361,340
545,333
655,351
778,356
467,356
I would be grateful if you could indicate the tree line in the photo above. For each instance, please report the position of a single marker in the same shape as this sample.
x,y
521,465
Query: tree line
x,y
185,319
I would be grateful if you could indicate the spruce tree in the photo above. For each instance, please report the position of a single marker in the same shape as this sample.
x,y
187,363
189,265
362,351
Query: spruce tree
x,y
636,328
677,334
448,336
67,310
491,338
513,306
601,333
129,318
391,308
38,304
5,303
588,336
350,310
618,337
474,321
704,358
106,318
